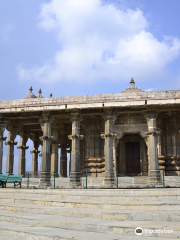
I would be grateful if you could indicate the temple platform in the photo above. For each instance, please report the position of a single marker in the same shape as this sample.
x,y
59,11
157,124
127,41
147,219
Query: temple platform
x,y
98,182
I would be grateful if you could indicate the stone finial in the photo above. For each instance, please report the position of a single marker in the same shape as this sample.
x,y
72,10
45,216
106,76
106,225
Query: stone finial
x,y
30,94
40,93
132,83
31,89
50,95
132,87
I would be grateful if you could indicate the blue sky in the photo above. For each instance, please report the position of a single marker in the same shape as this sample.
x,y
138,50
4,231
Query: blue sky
x,y
82,47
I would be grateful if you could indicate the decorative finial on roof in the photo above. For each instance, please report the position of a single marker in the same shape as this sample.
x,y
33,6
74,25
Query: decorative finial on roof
x,y
31,89
132,87
30,94
39,94
50,95
132,83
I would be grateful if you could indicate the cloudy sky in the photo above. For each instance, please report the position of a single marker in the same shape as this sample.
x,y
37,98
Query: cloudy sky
x,y
77,47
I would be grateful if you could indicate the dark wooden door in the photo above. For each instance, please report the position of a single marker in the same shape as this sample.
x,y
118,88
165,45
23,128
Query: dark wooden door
x,y
132,158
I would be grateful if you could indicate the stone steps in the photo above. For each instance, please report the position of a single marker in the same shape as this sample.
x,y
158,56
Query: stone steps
x,y
106,214
100,197
123,228
152,191
117,215
19,231
134,205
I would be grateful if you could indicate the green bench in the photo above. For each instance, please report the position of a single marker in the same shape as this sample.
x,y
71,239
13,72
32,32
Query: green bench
x,y
6,178
16,179
3,180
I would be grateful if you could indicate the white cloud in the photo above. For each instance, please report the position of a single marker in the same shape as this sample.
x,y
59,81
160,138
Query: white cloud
x,y
99,42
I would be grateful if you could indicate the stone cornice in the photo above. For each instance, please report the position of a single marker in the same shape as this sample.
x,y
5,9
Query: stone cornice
x,y
101,100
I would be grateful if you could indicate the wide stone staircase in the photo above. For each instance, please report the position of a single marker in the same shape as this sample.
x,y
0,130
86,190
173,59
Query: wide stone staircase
x,y
82,214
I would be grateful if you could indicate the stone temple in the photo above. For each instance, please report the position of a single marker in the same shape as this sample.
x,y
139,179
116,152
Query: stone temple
x,y
132,133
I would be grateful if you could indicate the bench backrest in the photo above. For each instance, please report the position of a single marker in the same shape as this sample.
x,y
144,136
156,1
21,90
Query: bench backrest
x,y
15,178
4,177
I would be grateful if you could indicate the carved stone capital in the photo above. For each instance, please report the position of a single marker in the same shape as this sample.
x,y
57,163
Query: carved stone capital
x,y
46,138
22,147
153,133
35,151
112,135
143,134
75,116
3,138
10,143
46,118
119,135
109,115
150,114
75,136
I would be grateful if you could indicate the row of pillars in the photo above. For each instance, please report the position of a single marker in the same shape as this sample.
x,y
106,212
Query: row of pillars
x,y
22,155
47,138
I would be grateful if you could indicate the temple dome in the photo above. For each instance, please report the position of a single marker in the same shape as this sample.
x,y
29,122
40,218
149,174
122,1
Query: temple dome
x,y
30,94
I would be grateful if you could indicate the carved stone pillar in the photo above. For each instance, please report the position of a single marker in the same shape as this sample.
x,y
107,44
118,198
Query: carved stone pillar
x,y
35,153
22,150
2,128
10,152
63,146
45,121
69,151
144,154
143,159
63,160
154,173
159,143
82,155
109,124
122,159
75,150
54,153
41,158
174,144
115,154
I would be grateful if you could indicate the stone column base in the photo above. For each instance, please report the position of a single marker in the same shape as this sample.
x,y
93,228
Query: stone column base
x,y
109,180
63,176
75,179
155,177
56,175
45,180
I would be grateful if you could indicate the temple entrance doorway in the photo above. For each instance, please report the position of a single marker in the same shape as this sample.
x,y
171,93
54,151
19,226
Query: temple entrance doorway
x,y
132,154
132,158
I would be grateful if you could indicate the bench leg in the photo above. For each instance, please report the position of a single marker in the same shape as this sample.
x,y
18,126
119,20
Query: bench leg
x,y
14,184
20,184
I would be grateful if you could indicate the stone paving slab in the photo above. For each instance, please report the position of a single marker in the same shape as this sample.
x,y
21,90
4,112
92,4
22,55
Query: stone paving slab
x,y
89,225
23,232
119,215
